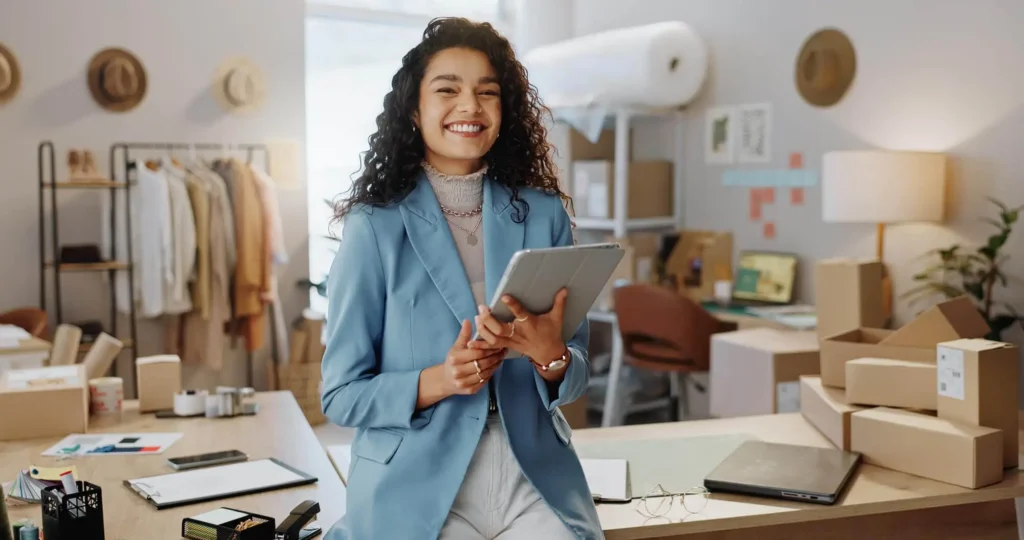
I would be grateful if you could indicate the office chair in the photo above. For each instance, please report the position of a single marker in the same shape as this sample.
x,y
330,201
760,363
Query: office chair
x,y
32,320
666,332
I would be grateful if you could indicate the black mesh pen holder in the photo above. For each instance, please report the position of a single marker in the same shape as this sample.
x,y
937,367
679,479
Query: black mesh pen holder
x,y
78,516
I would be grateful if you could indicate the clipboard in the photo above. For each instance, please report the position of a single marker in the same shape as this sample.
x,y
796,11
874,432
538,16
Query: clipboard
x,y
222,482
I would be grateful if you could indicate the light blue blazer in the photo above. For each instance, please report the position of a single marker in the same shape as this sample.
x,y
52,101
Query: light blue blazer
x,y
397,295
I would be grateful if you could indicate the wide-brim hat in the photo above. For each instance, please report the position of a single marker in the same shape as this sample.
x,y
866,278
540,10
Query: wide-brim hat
x,y
238,86
10,75
825,67
117,80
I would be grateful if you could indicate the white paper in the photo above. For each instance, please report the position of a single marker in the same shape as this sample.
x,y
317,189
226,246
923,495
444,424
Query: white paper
x,y
950,372
11,336
113,444
607,478
219,516
754,133
597,199
214,481
25,378
787,397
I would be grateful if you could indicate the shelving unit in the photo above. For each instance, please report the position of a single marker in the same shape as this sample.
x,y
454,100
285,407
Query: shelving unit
x,y
49,185
624,118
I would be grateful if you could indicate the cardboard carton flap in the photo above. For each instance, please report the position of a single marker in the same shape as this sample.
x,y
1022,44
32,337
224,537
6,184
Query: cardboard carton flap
x,y
157,359
889,362
834,397
947,321
976,344
871,336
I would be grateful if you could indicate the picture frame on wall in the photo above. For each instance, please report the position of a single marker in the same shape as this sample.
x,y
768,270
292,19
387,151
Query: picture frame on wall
x,y
719,135
754,133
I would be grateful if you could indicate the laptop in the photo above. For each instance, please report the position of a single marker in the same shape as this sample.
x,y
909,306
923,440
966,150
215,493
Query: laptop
x,y
764,278
784,471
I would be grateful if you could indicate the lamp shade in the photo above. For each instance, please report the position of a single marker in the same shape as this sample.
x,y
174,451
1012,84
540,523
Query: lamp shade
x,y
882,186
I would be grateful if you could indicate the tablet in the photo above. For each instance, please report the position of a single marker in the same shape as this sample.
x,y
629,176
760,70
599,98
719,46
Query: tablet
x,y
534,276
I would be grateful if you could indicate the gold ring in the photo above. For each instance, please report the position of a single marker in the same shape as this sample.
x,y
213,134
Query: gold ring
x,y
477,364
522,319
481,378
513,331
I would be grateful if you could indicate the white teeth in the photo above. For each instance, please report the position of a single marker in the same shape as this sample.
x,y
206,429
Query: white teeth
x,y
465,128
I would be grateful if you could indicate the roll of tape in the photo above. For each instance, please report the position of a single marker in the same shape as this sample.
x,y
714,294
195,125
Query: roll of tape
x,y
190,402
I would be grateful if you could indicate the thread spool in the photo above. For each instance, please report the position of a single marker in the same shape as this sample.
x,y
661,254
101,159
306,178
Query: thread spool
x,y
28,532
106,395
190,402
101,355
65,345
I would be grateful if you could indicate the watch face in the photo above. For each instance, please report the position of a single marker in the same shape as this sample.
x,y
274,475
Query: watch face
x,y
556,365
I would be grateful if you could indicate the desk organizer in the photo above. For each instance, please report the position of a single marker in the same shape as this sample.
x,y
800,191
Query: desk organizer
x,y
194,529
78,516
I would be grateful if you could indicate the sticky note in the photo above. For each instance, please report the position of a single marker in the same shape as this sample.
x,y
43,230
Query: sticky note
x,y
769,230
796,160
769,178
767,195
796,196
755,205
285,163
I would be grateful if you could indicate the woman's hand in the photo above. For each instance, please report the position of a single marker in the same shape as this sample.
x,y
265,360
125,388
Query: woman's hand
x,y
464,371
537,336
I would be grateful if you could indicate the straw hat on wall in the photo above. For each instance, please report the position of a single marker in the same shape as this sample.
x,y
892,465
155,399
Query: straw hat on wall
x,y
238,86
10,75
117,80
825,67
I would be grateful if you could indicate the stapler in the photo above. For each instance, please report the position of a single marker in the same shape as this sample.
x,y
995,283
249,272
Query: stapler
x,y
294,526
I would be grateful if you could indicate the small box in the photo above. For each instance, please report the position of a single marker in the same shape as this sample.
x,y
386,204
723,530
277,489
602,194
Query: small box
x,y
891,383
947,321
31,352
922,445
757,371
839,349
158,379
977,385
649,189
580,148
848,295
50,401
826,409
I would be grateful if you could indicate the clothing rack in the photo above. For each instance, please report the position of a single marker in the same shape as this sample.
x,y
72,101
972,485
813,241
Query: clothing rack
x,y
121,160
49,185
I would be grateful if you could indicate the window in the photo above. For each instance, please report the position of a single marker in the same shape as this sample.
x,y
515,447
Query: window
x,y
353,48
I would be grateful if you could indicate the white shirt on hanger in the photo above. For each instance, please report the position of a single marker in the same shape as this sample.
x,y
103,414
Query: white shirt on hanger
x,y
177,299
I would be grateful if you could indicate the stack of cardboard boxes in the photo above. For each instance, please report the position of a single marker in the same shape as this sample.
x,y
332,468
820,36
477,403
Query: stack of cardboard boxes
x,y
301,374
932,399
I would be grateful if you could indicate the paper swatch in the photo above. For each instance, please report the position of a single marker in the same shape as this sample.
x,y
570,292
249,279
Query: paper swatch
x,y
796,160
755,205
769,178
767,195
796,196
769,230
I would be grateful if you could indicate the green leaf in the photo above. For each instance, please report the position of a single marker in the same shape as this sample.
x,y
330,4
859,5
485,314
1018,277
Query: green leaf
x,y
996,202
929,289
994,223
975,289
1000,323
987,252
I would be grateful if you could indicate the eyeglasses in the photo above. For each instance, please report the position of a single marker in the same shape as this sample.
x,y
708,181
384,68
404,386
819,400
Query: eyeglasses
x,y
658,501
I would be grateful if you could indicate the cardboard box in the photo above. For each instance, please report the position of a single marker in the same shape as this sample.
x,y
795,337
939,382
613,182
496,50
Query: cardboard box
x,y
158,379
697,259
827,410
839,349
758,371
31,352
637,265
922,445
947,321
848,295
891,383
649,189
604,149
977,385
44,402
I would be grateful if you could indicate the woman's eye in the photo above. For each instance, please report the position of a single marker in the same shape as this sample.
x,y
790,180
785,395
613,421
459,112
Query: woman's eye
x,y
489,92
446,91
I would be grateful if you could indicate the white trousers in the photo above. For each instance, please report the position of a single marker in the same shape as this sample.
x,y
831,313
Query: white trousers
x,y
496,501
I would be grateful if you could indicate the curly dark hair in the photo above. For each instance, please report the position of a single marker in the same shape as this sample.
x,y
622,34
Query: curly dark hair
x,y
520,157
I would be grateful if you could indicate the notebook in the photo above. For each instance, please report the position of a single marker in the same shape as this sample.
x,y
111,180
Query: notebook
x,y
608,479
211,483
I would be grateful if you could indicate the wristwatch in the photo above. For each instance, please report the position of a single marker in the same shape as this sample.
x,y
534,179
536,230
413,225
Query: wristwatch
x,y
554,365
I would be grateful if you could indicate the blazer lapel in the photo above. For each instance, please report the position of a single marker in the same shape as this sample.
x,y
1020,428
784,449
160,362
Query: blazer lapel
x,y
432,240
503,237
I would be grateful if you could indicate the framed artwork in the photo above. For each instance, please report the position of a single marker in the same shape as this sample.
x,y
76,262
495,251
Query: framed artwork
x,y
754,133
719,135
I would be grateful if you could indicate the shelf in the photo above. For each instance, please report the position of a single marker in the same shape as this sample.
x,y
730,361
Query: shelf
x,y
125,342
87,184
631,224
564,112
91,267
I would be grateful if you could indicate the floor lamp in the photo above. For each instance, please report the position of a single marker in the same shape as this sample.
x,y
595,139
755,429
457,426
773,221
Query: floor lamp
x,y
883,187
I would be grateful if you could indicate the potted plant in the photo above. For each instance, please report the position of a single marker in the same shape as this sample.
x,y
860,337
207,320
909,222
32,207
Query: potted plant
x,y
975,272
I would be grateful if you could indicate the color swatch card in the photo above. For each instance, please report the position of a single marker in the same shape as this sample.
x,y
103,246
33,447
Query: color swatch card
x,y
112,444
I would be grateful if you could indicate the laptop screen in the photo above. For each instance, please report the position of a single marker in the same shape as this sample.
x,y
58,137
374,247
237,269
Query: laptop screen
x,y
765,277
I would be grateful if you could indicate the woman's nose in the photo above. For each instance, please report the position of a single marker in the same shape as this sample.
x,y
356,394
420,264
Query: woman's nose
x,y
469,103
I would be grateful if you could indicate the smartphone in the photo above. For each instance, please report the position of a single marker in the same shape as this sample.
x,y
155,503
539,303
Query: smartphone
x,y
184,463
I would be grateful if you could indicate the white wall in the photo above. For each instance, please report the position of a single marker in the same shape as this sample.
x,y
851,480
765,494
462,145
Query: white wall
x,y
932,74
181,43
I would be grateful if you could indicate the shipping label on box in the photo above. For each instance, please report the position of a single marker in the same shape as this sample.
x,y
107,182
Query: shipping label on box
x,y
977,384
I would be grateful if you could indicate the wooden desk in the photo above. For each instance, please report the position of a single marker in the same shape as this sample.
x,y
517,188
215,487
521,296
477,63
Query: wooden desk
x,y
878,503
279,430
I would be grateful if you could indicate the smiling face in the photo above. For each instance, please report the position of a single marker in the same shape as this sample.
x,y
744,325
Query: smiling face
x,y
459,111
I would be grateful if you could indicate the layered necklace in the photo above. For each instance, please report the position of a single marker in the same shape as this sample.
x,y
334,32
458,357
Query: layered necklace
x,y
471,238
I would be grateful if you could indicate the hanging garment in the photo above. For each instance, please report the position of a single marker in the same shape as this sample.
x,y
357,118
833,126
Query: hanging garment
x,y
177,299
252,270
220,196
272,215
199,195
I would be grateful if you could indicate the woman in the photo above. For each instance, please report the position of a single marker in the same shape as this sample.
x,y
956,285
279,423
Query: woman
x,y
453,439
